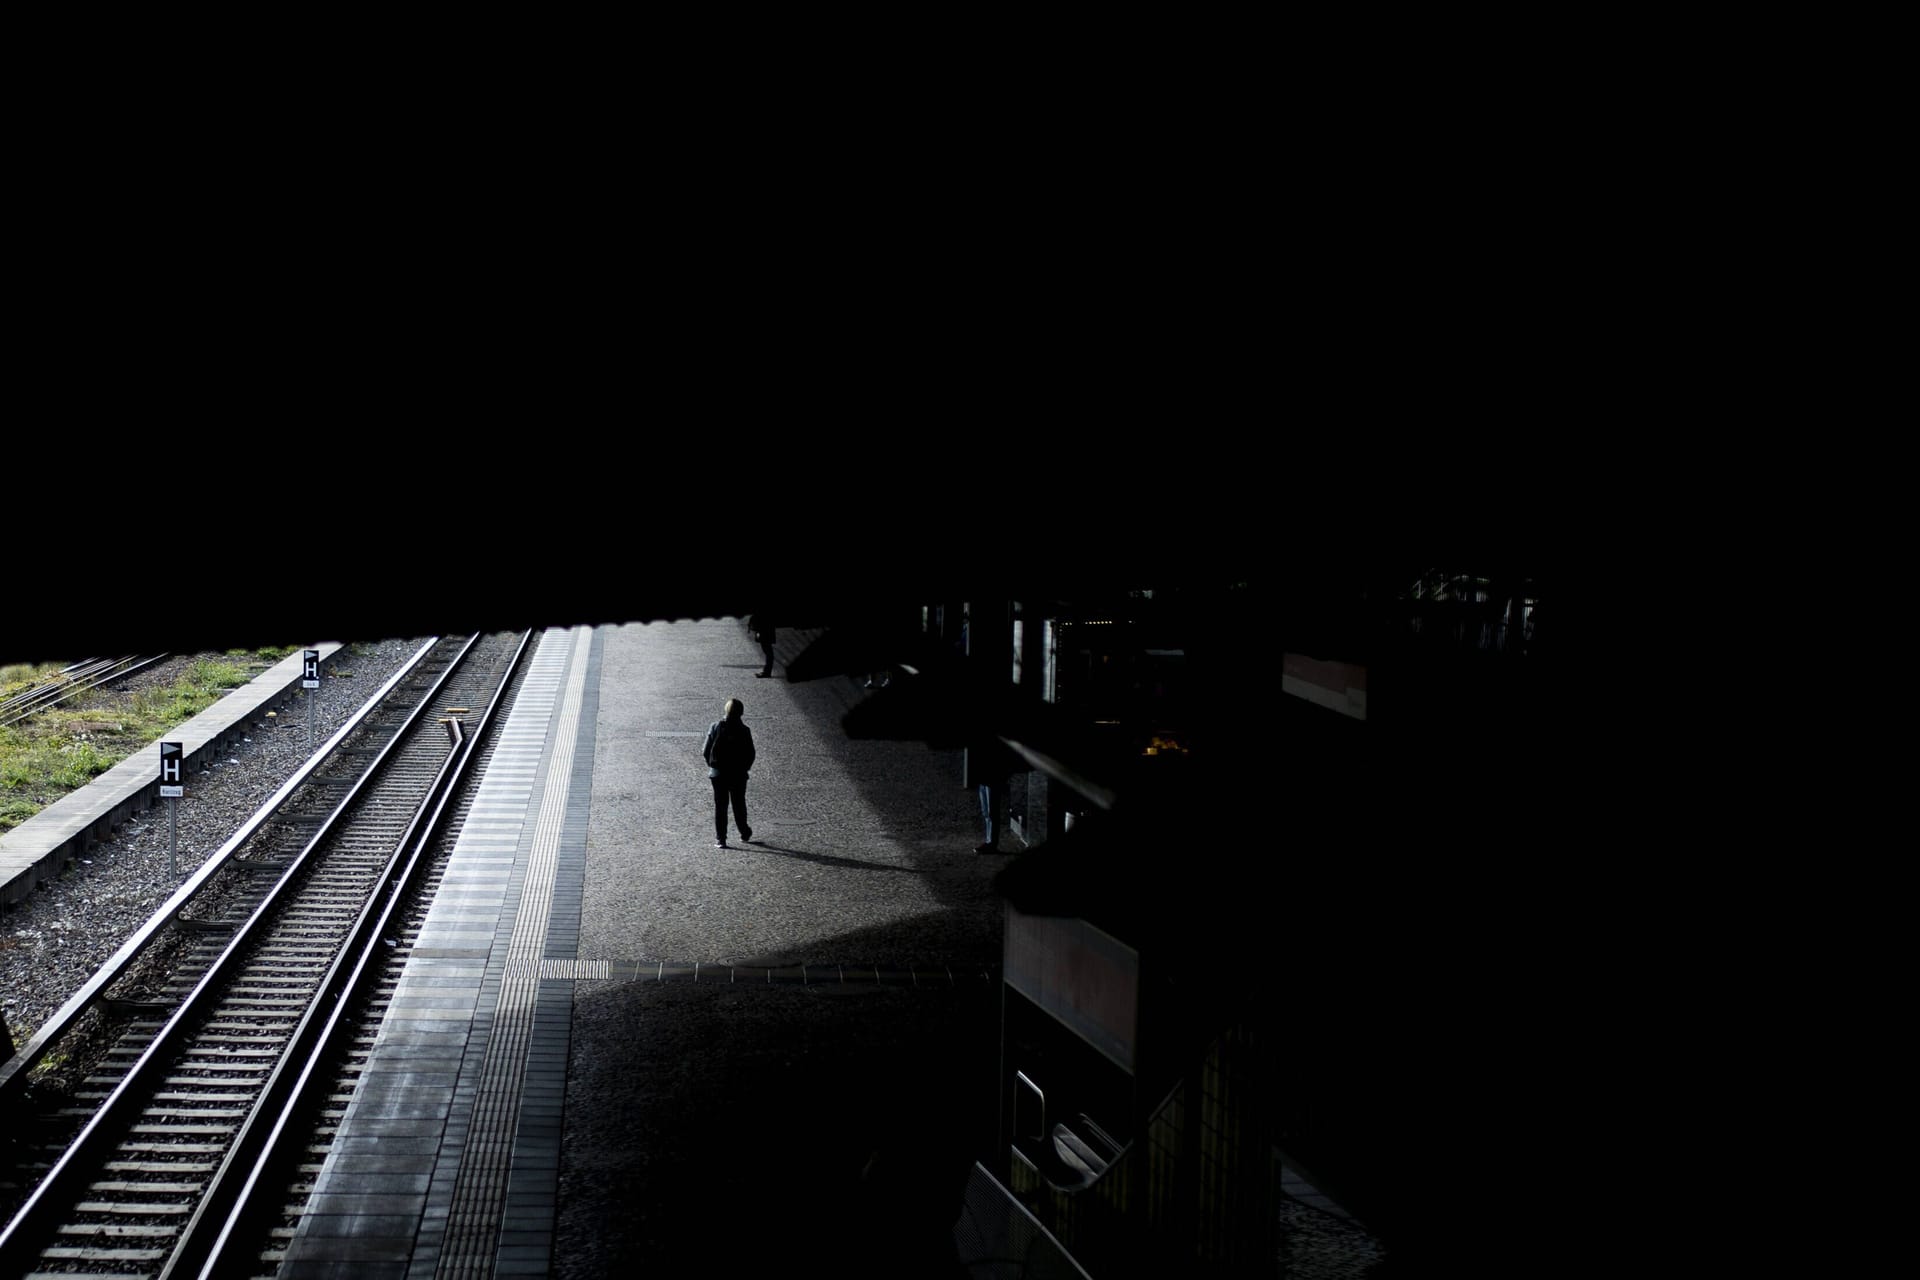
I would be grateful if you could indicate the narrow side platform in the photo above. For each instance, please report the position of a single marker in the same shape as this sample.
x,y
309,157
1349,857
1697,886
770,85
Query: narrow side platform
x,y
46,844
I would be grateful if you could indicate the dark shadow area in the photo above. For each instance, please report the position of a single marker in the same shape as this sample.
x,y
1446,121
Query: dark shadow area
x,y
1375,899
1375,896
780,1131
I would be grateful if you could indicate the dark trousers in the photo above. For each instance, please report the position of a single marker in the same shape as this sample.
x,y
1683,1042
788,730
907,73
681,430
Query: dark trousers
x,y
766,647
724,789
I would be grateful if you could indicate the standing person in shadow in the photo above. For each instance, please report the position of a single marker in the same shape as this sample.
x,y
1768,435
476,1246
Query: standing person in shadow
x,y
988,766
762,626
729,755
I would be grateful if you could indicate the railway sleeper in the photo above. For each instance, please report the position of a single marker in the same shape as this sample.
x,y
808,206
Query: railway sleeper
x,y
156,1166
227,1042
118,1208
113,1230
174,1148
77,1254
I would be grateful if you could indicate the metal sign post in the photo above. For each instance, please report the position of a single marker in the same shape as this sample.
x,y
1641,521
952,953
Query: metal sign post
x,y
310,679
171,790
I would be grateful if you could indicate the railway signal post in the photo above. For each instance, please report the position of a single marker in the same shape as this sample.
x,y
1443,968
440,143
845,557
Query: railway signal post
x,y
171,789
310,679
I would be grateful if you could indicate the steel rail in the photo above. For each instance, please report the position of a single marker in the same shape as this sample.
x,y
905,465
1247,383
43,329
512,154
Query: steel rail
x,y
266,1122
22,1235
241,1193
14,1072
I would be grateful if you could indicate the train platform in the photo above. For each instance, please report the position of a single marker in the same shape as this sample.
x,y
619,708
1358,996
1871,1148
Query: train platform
x,y
616,1045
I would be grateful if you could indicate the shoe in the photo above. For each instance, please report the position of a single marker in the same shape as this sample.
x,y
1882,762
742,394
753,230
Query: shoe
x,y
867,685
746,835
719,844
985,848
763,675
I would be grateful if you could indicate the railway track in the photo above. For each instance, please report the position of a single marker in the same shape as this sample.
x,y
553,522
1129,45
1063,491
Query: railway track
x,y
226,1034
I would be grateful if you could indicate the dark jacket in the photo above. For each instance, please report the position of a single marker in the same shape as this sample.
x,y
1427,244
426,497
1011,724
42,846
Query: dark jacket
x,y
989,763
735,742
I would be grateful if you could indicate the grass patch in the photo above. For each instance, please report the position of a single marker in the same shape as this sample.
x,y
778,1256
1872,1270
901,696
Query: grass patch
x,y
269,654
60,750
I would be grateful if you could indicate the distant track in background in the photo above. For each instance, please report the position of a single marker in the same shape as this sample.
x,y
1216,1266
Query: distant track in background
x,y
89,673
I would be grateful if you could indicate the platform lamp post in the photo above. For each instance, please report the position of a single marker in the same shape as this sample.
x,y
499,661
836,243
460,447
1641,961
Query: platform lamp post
x,y
171,789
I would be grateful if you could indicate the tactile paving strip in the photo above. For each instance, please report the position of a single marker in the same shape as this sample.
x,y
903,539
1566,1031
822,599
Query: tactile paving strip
x,y
447,1158
479,1219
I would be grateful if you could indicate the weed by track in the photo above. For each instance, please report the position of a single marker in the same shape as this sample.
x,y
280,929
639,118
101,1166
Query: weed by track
x,y
59,750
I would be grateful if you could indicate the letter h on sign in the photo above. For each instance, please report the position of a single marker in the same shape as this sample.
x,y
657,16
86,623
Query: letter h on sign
x,y
170,760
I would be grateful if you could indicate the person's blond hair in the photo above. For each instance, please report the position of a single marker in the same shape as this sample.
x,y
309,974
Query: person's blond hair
x,y
734,709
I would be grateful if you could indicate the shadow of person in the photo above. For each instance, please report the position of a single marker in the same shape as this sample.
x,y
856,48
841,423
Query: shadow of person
x,y
825,859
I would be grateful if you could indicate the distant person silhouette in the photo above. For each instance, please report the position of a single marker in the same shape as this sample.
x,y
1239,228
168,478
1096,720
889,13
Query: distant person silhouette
x,y
762,626
729,755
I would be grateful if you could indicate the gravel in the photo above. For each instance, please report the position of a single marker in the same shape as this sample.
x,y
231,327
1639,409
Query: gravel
x,y
51,943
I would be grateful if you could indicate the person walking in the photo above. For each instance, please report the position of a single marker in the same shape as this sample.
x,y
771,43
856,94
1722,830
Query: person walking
x,y
729,755
761,624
